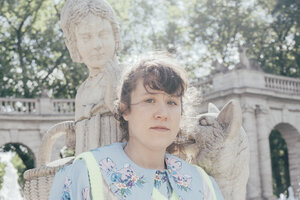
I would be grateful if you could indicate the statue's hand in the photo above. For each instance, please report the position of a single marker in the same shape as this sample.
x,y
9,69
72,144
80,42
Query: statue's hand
x,y
98,108
85,112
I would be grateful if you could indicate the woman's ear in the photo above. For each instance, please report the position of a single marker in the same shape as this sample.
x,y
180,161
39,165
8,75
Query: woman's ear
x,y
125,109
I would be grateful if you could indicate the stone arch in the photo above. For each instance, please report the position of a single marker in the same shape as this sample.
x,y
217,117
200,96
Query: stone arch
x,y
30,138
292,138
30,151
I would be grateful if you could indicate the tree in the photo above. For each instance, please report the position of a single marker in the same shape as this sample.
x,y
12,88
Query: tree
x,y
32,53
270,30
22,161
280,163
282,50
2,172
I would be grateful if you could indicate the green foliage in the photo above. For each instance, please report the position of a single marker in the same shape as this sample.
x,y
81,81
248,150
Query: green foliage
x,y
270,30
21,168
33,55
65,152
280,163
282,47
22,151
22,161
2,172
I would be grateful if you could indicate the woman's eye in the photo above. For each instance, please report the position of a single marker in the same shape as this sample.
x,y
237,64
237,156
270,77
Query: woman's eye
x,y
149,101
172,103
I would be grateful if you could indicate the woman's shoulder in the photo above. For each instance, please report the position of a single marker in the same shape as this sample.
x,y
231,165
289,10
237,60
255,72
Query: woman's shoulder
x,y
111,149
77,170
69,179
115,145
172,160
193,173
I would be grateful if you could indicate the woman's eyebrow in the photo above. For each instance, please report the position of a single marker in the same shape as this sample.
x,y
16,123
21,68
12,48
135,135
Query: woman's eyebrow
x,y
149,93
156,93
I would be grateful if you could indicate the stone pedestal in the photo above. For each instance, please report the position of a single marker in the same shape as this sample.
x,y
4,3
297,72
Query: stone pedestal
x,y
46,106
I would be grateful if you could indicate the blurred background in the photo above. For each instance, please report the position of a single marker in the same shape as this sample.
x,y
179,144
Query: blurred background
x,y
225,45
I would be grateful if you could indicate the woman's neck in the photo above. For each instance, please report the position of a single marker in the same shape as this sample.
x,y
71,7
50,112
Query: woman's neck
x,y
145,157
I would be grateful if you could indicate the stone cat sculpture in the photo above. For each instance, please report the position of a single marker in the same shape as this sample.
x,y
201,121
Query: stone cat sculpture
x,y
220,146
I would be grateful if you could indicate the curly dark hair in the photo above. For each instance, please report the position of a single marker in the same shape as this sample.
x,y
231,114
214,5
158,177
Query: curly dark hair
x,y
159,72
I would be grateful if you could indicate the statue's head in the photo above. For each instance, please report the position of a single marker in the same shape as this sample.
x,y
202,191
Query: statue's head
x,y
92,33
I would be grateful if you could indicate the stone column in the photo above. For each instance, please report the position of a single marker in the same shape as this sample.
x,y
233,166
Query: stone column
x,y
254,182
264,152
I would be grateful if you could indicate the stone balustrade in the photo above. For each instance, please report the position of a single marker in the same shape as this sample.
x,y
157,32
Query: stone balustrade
x,y
38,106
26,106
65,106
282,84
245,78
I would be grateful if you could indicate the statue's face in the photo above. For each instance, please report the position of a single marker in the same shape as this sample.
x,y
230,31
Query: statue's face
x,y
95,41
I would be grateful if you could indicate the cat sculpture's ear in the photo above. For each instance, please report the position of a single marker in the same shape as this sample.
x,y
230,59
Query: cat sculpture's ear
x,y
230,118
212,108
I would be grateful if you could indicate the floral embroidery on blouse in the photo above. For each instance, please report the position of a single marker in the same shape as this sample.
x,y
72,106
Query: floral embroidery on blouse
x,y
66,192
123,179
86,194
159,178
174,167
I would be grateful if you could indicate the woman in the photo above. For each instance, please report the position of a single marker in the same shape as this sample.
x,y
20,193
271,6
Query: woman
x,y
149,110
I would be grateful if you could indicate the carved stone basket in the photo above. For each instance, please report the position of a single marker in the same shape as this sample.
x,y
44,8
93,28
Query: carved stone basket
x,y
39,180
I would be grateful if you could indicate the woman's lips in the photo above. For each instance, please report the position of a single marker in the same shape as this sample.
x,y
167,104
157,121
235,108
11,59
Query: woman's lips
x,y
160,128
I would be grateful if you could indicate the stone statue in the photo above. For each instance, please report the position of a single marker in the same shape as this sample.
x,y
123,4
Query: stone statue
x,y
219,145
245,62
92,36
219,67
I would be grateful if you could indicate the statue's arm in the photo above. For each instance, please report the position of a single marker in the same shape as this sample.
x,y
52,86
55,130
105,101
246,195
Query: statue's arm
x,y
112,76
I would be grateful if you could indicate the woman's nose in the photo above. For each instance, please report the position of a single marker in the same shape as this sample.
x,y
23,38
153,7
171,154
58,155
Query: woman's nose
x,y
161,112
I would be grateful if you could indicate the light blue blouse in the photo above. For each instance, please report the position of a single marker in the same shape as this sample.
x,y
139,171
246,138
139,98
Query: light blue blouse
x,y
129,181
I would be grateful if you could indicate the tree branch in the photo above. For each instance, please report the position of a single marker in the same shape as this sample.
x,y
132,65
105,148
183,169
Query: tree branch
x,y
57,62
35,16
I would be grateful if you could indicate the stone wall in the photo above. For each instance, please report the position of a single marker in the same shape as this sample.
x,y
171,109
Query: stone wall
x,y
25,121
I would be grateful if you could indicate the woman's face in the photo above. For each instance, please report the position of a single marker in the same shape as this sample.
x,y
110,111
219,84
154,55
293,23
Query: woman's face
x,y
154,118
